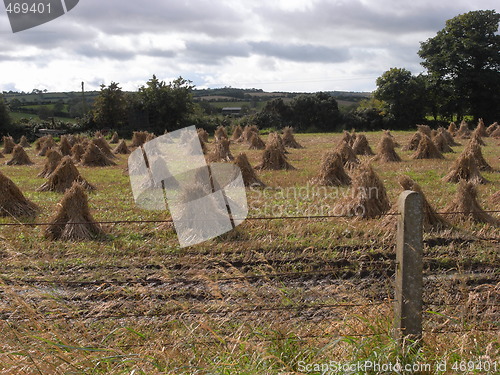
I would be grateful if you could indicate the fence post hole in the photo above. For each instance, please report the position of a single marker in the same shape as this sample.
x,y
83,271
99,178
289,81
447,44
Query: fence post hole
x,y
409,250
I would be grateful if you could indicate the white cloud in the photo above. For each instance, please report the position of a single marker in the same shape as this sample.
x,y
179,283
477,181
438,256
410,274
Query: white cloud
x,y
292,45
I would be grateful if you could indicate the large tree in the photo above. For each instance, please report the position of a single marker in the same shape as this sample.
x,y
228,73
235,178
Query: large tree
x,y
275,114
463,60
316,112
167,105
319,111
403,95
110,107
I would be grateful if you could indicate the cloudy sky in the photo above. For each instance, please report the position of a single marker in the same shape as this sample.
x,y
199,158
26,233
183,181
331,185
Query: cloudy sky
x,y
280,45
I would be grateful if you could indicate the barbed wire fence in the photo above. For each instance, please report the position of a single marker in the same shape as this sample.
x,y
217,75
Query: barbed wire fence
x,y
400,301
263,218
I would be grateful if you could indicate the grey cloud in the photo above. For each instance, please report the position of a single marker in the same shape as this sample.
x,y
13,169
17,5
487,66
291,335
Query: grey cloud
x,y
156,52
96,82
90,51
60,34
213,53
192,16
370,37
326,18
94,18
7,57
314,30
301,52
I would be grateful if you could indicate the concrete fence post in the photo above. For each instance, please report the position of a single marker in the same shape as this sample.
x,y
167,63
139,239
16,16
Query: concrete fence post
x,y
409,254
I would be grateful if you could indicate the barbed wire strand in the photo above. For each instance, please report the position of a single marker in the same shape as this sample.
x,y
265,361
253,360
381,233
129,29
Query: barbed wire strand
x,y
263,218
250,309
356,266
181,279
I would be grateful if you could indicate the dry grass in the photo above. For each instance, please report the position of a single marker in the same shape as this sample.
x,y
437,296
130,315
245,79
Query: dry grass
x,y
414,141
490,129
77,152
248,173
474,148
441,143
104,146
220,133
114,138
274,158
43,144
476,137
19,157
495,133
427,149
349,158
448,137
202,135
8,145
95,157
433,222
65,146
121,148
452,128
134,301
369,199
23,142
481,129
361,146
466,202
288,138
465,168
63,178
13,203
139,138
348,138
425,129
247,133
332,172
236,133
256,142
53,159
73,221
221,151
464,131
386,150
40,142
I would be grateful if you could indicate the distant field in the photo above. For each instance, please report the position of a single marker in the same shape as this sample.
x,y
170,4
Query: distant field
x,y
16,116
258,300
259,105
49,97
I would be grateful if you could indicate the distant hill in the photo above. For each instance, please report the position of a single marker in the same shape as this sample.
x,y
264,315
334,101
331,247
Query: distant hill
x,y
40,98
232,94
224,94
